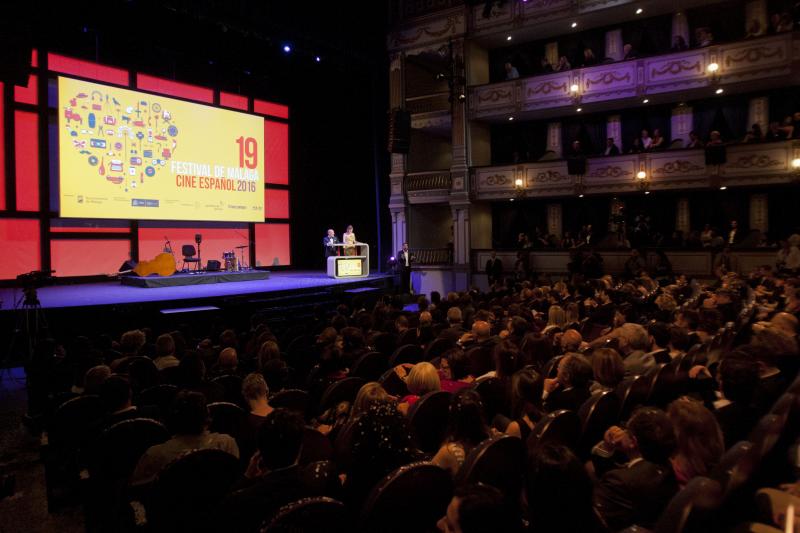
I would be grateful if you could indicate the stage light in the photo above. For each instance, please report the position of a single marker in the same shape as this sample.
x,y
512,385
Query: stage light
x,y
510,118
580,196
646,100
391,258
723,188
712,67
639,11
641,175
508,38
317,59
574,88
287,48
518,182
720,91
647,192
796,163
510,199
579,109
574,25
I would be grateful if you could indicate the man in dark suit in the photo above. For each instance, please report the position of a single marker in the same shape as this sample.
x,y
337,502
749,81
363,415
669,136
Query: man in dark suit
x,y
611,147
494,269
570,388
404,260
329,242
637,492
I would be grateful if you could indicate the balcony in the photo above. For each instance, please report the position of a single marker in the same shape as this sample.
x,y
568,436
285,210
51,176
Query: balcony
x,y
428,187
744,65
747,164
433,256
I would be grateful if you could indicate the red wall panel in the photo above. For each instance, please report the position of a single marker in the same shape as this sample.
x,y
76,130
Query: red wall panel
x,y
88,258
2,153
276,203
276,152
29,94
87,69
272,245
26,147
174,88
215,242
269,108
235,101
19,241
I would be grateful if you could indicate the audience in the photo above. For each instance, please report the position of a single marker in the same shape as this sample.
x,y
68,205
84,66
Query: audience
x,y
466,429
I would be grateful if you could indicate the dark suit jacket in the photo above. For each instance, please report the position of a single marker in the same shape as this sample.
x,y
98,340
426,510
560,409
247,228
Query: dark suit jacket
x,y
635,494
736,421
402,263
571,399
494,268
613,151
326,242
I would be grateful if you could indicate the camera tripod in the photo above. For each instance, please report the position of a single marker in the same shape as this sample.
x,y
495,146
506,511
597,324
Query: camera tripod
x,y
29,323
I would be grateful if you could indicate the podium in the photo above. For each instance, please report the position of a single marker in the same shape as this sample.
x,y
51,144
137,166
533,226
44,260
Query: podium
x,y
349,266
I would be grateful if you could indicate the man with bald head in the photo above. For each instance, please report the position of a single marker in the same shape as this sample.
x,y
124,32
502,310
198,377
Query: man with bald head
x,y
786,322
570,341
481,335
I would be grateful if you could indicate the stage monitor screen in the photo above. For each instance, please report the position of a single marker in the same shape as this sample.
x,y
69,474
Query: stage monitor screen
x,y
135,155
348,267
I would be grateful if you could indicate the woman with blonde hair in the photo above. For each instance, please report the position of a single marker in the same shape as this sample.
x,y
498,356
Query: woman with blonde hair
x,y
422,379
368,394
573,316
699,438
556,318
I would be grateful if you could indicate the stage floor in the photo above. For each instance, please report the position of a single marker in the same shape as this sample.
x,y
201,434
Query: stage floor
x,y
114,293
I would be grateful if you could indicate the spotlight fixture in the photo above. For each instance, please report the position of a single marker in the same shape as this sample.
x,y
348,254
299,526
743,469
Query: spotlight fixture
x,y
317,59
575,93
646,100
713,72
580,196
639,11
508,38
519,188
510,118
287,48
579,109
574,25
719,91
574,88
642,182
647,192
723,187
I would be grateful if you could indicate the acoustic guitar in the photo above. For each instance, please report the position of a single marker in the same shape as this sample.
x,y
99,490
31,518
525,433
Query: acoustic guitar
x,y
163,265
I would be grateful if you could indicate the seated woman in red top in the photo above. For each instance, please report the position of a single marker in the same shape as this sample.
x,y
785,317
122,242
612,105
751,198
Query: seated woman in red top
x,y
454,370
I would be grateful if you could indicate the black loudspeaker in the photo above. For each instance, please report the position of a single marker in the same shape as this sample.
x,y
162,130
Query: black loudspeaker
x,y
399,134
213,265
15,53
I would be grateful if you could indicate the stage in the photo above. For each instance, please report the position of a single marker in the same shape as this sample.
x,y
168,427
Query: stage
x,y
115,293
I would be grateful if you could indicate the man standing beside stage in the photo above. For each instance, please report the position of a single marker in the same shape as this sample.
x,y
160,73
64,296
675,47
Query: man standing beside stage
x,y
494,269
404,260
329,241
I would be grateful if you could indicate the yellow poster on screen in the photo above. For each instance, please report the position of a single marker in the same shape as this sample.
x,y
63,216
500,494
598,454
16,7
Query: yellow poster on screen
x,y
128,154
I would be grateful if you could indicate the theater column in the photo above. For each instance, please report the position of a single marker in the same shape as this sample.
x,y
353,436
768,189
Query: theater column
x,y
682,220
682,123
551,53
759,213
397,173
554,138
614,45
459,173
758,113
680,27
614,129
554,220
755,18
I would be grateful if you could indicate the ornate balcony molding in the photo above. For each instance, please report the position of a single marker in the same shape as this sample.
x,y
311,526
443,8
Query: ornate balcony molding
x,y
426,32
428,103
433,256
428,187
766,57
748,164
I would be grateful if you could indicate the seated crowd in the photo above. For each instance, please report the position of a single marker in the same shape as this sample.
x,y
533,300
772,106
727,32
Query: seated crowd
x,y
689,369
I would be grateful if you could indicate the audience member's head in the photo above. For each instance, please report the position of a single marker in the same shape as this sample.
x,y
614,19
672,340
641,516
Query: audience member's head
x,y
467,422
131,342
165,345
368,394
506,359
527,386
454,317
188,414
94,379
228,360
574,371
660,334
280,439
653,434
475,509
115,393
254,388
699,438
607,367
422,379
738,377
571,341
458,362
632,338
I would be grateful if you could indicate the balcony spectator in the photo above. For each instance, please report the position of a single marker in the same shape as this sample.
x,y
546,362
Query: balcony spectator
x,y
704,37
774,132
545,67
562,65
628,52
787,127
589,58
679,43
567,241
785,22
523,241
788,258
694,140
636,146
715,138
511,71
657,143
646,140
754,29
706,236
611,147
753,135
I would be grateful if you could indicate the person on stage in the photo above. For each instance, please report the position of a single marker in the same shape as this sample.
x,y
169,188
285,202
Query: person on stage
x,y
329,241
349,240
404,260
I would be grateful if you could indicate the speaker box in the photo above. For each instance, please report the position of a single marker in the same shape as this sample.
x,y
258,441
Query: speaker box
x,y
15,53
399,134
213,265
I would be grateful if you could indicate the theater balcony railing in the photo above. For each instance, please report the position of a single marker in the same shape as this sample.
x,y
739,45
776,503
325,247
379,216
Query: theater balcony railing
x,y
433,256
428,187
747,164
753,64
429,103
